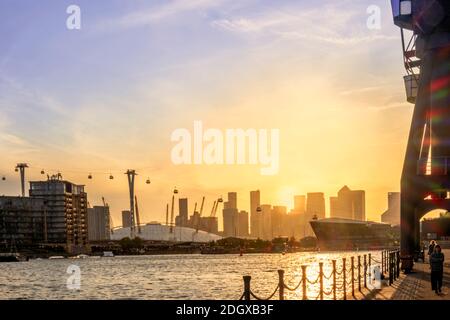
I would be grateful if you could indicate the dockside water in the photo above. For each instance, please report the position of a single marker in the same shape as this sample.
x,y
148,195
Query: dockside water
x,y
166,276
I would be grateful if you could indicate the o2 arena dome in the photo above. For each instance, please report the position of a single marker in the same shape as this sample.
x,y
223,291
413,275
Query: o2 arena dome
x,y
158,232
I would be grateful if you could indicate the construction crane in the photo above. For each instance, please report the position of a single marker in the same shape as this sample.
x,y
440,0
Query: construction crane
x,y
201,207
197,226
138,219
175,191
215,206
167,214
195,208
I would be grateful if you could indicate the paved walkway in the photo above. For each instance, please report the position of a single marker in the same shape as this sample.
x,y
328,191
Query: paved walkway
x,y
416,285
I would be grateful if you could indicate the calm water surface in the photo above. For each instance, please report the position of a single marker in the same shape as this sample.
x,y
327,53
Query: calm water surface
x,y
166,277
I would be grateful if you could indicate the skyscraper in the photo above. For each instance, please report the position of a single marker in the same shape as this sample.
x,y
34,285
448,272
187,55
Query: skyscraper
x,y
183,214
232,200
392,214
299,204
266,219
315,205
297,220
242,225
315,208
359,205
278,220
348,204
255,216
230,216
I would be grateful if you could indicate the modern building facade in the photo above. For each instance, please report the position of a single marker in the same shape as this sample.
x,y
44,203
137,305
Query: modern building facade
x,y
22,222
99,228
66,212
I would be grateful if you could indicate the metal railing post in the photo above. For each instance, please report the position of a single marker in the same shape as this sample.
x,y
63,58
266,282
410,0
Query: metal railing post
x,y
394,265
365,271
334,279
344,278
247,280
391,280
305,295
281,283
353,276
398,263
370,268
359,273
321,280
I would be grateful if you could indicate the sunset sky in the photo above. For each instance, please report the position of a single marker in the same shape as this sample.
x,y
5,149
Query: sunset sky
x,y
107,97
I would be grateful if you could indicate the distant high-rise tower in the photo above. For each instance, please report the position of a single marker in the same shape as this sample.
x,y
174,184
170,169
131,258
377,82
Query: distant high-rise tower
x,y
98,223
126,219
232,200
392,214
315,205
255,216
278,220
266,219
183,214
242,224
300,204
230,216
315,208
359,205
348,204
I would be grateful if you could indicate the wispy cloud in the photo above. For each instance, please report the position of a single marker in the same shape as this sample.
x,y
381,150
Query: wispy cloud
x,y
327,23
156,14
360,90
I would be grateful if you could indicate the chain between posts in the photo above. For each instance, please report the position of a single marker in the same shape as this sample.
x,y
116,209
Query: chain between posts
x,y
390,263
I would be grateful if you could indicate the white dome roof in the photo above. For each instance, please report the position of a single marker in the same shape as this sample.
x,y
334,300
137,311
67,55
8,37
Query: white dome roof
x,y
158,232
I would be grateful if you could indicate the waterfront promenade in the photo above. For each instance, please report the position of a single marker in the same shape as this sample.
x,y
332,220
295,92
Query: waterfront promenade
x,y
416,285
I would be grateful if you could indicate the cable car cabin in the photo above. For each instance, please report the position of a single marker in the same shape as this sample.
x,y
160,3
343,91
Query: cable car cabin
x,y
421,16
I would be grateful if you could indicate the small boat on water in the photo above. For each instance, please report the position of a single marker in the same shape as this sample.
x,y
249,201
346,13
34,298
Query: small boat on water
x,y
56,257
12,257
108,254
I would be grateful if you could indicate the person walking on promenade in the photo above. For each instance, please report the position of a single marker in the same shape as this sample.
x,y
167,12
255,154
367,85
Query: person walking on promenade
x,y
437,269
431,248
